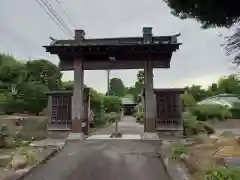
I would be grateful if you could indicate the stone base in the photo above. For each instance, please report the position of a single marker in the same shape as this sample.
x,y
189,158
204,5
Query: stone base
x,y
76,136
150,136
173,134
76,126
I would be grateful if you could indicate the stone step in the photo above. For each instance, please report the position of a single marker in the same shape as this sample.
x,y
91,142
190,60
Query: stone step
x,y
58,134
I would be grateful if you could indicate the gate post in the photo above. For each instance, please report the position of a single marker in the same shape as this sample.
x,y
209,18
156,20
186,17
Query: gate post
x,y
150,109
77,99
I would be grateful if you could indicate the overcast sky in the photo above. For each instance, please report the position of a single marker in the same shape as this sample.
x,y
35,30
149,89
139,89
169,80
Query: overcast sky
x,y
25,27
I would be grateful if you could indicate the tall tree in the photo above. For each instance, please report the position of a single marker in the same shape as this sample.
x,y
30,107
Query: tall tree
x,y
197,92
45,72
229,84
211,13
232,45
117,87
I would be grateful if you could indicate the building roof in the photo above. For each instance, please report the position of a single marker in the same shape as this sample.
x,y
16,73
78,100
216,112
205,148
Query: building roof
x,y
115,53
116,41
127,100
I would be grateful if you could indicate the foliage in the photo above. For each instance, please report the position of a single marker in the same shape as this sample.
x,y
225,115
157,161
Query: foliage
x,y
34,92
3,135
191,126
100,115
210,13
197,92
45,72
68,85
112,117
29,153
112,104
232,45
117,87
229,84
210,111
177,149
187,99
140,117
221,173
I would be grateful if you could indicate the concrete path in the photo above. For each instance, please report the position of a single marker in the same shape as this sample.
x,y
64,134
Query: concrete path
x,y
104,160
235,131
127,125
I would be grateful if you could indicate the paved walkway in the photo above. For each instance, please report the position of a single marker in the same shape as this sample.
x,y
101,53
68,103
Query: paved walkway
x,y
127,125
106,160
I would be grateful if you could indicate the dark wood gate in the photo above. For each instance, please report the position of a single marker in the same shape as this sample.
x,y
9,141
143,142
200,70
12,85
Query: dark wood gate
x,y
61,109
168,107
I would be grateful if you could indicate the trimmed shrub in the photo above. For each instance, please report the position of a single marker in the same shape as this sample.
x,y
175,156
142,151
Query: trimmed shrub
x,y
222,173
140,117
206,112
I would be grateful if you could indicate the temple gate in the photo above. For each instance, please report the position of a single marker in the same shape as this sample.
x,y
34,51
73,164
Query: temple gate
x,y
146,52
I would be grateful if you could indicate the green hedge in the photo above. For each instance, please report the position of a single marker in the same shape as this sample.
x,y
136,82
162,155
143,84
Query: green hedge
x,y
205,112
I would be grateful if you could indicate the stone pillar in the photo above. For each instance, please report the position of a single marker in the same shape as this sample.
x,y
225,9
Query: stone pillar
x,y
77,99
150,108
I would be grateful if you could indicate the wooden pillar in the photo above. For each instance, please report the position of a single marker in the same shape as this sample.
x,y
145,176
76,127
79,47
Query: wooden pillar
x,y
77,99
49,109
150,108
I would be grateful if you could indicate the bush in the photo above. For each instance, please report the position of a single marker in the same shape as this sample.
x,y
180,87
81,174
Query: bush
x,y
112,104
3,135
14,106
205,112
112,117
31,93
140,117
223,173
206,126
177,149
191,126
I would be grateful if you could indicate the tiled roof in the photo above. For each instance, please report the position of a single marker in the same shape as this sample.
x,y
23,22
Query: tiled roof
x,y
116,41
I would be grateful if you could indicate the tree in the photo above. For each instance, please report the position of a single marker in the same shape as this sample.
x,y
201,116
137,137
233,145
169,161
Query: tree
x,y
229,84
34,96
117,88
67,85
187,100
211,13
46,72
112,104
197,92
13,74
232,45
